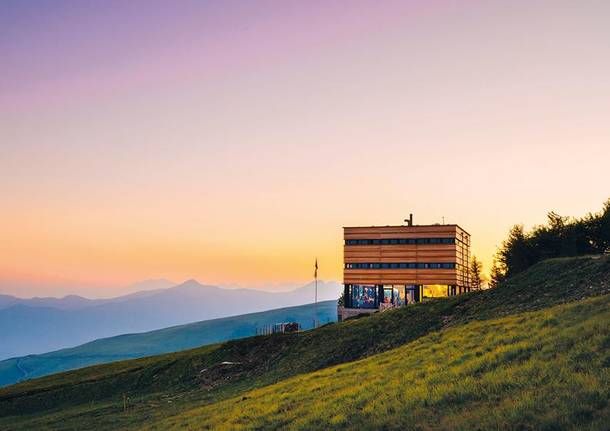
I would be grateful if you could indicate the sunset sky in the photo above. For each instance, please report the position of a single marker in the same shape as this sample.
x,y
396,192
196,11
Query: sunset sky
x,y
229,141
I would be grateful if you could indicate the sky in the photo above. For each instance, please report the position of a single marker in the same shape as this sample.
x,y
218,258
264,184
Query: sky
x,y
230,141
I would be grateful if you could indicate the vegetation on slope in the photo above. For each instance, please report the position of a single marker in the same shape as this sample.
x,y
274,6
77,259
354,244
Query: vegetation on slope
x,y
166,340
548,369
560,237
166,385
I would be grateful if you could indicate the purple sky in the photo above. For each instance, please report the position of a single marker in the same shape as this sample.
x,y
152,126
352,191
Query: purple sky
x,y
230,141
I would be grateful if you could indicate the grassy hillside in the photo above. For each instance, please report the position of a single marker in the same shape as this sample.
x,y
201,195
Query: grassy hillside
x,y
548,369
156,342
170,385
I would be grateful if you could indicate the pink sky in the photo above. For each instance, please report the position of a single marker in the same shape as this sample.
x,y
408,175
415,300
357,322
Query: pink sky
x,y
231,141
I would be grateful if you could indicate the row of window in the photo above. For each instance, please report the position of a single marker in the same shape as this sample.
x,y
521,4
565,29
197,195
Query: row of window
x,y
393,241
401,265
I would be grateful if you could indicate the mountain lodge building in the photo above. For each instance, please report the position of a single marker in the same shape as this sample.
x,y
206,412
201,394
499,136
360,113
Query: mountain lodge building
x,y
391,266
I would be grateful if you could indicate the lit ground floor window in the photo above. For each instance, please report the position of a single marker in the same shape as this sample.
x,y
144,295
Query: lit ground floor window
x,y
375,296
436,290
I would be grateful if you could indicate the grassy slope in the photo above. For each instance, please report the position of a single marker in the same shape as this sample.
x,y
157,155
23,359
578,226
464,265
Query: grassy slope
x,y
170,384
547,369
165,340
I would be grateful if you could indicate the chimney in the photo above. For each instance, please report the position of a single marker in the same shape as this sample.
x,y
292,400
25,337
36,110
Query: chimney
x,y
409,220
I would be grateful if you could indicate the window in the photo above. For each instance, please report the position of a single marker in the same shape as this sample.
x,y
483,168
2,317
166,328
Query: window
x,y
399,295
401,241
387,295
364,296
402,265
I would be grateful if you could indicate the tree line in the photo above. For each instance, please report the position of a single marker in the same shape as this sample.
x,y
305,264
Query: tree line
x,y
560,237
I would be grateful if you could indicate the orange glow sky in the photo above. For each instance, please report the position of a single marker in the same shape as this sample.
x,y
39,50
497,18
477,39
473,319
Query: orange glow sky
x,y
230,143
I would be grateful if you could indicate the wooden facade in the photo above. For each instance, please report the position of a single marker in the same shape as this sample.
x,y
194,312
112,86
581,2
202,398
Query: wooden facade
x,y
426,246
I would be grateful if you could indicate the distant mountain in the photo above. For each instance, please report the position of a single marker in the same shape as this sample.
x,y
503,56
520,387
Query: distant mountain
x,y
161,341
41,325
70,302
73,302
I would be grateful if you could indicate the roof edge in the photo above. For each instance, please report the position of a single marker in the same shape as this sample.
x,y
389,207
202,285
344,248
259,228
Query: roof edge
x,y
406,226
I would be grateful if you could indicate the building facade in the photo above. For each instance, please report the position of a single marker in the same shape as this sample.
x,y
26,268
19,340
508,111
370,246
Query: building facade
x,y
391,266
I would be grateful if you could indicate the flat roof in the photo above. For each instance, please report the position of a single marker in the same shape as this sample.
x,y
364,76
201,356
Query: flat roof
x,y
407,226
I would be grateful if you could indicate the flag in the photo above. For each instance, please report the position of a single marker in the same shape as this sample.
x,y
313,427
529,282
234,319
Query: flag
x,y
315,273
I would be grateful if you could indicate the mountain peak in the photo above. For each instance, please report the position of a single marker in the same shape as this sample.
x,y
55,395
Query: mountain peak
x,y
191,282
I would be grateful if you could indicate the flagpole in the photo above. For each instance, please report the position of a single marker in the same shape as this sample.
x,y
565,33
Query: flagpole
x,y
315,304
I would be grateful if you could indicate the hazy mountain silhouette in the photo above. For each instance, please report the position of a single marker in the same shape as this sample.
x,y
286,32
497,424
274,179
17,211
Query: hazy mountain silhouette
x,y
40,325
73,302
165,340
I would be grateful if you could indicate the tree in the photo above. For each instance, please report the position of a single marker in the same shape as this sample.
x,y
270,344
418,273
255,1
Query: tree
x,y
341,300
599,227
516,253
476,274
496,275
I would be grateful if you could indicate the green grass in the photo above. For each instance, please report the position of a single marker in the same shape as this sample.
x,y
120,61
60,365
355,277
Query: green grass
x,y
547,369
170,385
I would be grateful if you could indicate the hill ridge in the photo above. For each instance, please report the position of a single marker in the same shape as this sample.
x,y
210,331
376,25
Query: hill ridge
x,y
267,360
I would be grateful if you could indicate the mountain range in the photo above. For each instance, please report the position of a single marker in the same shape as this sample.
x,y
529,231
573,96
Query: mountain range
x,y
38,325
165,340
73,302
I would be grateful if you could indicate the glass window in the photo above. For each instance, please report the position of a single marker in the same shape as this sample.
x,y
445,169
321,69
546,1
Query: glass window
x,y
435,291
363,296
387,295
399,295
402,265
392,241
